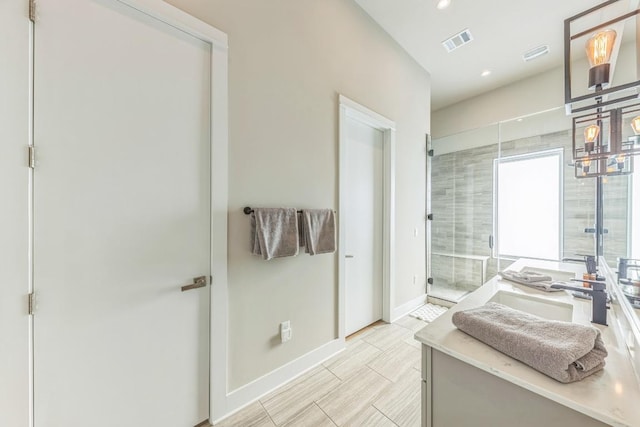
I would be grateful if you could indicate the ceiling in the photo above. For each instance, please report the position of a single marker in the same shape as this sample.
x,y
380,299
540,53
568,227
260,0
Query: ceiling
x,y
502,31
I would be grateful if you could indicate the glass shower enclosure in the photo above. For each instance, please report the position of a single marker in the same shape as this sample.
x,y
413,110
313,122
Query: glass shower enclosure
x,y
504,192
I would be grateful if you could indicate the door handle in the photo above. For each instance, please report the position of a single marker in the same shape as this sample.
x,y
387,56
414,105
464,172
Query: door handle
x,y
198,282
348,256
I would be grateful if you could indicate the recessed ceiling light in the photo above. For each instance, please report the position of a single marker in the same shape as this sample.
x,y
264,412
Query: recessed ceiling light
x,y
485,73
443,4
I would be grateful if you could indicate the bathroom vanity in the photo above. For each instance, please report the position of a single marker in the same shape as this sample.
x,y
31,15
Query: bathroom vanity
x,y
467,383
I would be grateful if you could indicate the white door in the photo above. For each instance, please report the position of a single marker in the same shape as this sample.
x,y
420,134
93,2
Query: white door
x,y
364,225
14,228
121,218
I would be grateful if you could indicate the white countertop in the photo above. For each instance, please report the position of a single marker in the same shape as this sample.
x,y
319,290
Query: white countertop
x,y
611,395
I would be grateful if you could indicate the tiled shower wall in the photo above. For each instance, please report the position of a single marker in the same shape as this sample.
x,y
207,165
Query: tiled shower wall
x,y
462,204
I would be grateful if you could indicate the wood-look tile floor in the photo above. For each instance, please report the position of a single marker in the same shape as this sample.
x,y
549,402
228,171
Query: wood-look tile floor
x,y
374,382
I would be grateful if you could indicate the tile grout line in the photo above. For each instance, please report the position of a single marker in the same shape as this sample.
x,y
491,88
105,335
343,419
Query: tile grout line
x,y
373,345
327,415
382,375
313,401
267,412
372,399
332,373
291,384
383,414
411,329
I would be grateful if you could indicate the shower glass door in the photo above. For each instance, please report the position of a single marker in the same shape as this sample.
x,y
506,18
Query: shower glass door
x,y
461,201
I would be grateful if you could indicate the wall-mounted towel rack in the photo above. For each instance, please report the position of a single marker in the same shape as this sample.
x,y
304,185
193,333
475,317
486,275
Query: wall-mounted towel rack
x,y
248,210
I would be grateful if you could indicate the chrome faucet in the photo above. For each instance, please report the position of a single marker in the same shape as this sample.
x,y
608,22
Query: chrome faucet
x,y
598,294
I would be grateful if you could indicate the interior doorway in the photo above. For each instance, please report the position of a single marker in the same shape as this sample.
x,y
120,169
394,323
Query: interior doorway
x,y
366,217
363,218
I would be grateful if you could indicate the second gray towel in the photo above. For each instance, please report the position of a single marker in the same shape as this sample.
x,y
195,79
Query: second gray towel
x,y
318,231
565,351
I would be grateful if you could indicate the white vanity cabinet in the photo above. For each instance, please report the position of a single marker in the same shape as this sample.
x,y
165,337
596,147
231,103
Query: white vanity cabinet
x,y
468,383
455,393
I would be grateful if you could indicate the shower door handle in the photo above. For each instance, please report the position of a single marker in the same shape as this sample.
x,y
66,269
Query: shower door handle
x,y
348,256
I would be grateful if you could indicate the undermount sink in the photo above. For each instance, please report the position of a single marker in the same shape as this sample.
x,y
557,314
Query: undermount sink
x,y
552,310
556,275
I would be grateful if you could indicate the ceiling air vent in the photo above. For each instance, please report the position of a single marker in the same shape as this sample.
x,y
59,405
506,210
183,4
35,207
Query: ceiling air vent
x,y
534,53
460,39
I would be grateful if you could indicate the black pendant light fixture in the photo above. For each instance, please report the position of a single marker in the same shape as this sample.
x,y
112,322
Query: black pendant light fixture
x,y
606,132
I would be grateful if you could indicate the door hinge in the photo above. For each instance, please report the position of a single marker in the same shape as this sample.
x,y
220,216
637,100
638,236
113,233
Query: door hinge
x,y
32,303
32,10
430,153
32,157
430,217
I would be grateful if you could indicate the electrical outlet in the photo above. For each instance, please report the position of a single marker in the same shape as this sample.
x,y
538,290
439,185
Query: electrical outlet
x,y
285,331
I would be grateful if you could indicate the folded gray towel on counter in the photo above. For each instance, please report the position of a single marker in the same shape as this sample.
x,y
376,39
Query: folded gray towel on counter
x,y
318,231
531,279
565,351
526,276
274,232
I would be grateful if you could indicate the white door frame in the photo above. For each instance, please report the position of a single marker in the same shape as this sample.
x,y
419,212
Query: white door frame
x,y
173,16
352,110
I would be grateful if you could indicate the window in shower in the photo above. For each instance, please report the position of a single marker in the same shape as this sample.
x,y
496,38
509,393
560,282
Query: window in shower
x,y
528,205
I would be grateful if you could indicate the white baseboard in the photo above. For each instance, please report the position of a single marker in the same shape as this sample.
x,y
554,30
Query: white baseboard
x,y
408,307
249,393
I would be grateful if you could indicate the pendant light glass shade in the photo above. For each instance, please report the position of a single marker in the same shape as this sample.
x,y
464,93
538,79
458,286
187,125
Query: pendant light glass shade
x,y
635,125
600,46
590,135
608,34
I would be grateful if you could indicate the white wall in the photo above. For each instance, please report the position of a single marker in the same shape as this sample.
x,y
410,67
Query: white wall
x,y
539,93
527,97
288,61
14,232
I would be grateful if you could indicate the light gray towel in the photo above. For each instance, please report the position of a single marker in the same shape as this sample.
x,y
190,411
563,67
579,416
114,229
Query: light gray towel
x,y
565,351
318,231
274,232
526,276
531,279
